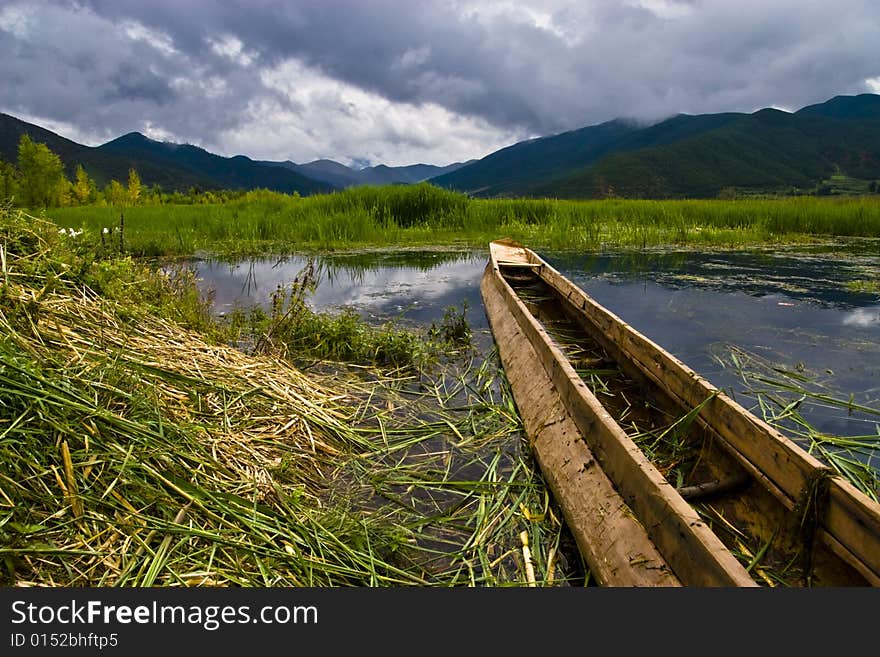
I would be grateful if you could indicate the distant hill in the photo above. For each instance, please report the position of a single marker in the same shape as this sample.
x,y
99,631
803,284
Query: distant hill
x,y
511,170
339,175
175,167
328,171
101,166
821,148
238,172
863,106
179,167
698,156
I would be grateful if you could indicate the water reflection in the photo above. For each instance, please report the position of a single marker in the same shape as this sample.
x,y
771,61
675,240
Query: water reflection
x,y
864,317
414,287
804,277
795,309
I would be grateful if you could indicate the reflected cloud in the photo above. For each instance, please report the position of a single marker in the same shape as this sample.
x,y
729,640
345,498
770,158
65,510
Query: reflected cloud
x,y
863,317
389,288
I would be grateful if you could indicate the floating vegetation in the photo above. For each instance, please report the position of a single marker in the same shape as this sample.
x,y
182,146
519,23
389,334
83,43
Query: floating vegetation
x,y
136,451
452,469
870,286
781,392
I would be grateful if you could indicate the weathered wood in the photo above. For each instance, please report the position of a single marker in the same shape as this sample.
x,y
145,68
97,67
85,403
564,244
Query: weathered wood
x,y
612,541
692,550
852,519
579,428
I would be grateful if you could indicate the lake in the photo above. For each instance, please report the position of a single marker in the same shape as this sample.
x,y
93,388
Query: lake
x,y
794,315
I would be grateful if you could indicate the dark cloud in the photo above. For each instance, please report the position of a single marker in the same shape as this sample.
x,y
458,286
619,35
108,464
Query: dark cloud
x,y
208,71
130,82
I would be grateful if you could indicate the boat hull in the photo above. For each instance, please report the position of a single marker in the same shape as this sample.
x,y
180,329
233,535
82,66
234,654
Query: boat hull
x,y
615,500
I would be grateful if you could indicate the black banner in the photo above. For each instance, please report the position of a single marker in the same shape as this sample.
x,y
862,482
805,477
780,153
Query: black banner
x,y
235,621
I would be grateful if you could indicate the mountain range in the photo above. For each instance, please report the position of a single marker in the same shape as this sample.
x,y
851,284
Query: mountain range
x,y
688,155
179,167
339,175
685,155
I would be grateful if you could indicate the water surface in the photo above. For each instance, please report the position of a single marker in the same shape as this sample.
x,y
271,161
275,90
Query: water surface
x,y
792,310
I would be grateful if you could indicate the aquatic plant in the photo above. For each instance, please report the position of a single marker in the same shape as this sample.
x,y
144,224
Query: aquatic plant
x,y
401,215
135,451
780,391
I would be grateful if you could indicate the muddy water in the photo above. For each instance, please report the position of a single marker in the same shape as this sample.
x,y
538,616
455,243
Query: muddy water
x,y
799,312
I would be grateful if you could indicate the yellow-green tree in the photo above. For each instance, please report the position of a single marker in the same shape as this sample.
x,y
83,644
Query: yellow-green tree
x,y
115,193
64,195
134,187
42,174
84,189
8,181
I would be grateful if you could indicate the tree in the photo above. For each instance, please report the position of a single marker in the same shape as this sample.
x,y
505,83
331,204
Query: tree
x,y
154,196
84,189
42,174
64,194
8,181
134,187
115,193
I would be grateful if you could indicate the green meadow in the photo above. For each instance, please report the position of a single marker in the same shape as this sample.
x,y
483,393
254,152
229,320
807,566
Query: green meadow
x,y
424,215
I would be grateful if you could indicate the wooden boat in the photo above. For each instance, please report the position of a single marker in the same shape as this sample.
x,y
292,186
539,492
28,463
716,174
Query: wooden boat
x,y
751,508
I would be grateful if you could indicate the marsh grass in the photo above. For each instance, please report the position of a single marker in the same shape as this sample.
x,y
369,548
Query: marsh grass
x,y
778,392
136,450
294,331
261,221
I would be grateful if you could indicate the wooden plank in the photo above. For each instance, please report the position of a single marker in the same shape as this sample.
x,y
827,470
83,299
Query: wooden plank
x,y
693,551
612,541
851,519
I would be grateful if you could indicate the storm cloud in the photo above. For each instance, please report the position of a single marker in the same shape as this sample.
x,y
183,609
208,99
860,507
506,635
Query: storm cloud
x,y
401,82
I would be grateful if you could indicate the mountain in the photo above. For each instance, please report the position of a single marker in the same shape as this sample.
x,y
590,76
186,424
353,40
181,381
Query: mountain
x,y
685,155
101,166
339,175
700,156
407,175
863,106
507,171
328,171
175,167
237,172
179,167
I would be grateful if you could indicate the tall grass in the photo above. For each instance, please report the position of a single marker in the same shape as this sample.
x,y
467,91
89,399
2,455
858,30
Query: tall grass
x,y
422,214
136,451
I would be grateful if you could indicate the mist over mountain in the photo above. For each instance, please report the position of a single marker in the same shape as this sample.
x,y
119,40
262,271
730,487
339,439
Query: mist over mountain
x,y
340,175
767,151
685,155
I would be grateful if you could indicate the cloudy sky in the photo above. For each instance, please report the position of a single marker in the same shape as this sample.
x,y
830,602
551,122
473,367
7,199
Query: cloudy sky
x,y
406,81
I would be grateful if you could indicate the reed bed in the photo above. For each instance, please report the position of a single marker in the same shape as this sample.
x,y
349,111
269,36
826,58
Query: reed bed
x,y
268,222
138,452
466,485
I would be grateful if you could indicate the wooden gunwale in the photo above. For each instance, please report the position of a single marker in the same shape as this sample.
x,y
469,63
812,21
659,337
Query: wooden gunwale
x,y
692,550
612,541
849,524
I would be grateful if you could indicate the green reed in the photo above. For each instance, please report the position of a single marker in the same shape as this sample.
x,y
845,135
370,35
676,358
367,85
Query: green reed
x,y
263,221
137,451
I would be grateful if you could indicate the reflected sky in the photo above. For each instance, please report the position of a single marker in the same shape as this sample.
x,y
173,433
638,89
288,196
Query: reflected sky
x,y
380,287
793,309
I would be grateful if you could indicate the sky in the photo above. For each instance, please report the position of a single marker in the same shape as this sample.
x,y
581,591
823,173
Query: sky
x,y
401,82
